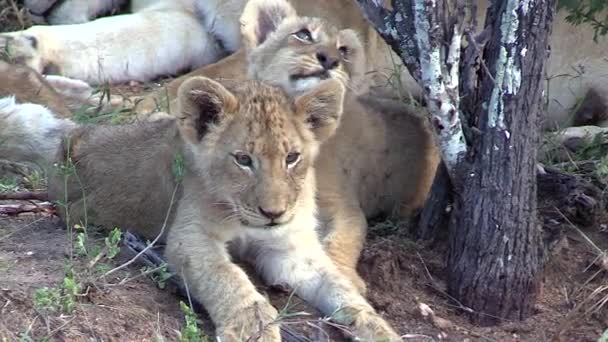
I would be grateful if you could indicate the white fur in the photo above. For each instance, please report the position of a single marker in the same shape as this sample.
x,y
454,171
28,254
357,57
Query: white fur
x,y
304,84
70,88
30,132
116,49
161,37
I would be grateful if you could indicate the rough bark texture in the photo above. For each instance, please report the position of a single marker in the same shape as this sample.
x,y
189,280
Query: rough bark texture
x,y
495,245
494,262
435,213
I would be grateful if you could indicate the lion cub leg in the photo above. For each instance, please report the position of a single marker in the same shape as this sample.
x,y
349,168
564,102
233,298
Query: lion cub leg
x,y
238,311
297,259
344,242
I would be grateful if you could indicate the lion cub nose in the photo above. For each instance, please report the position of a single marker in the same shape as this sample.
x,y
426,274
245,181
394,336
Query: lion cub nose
x,y
272,214
328,62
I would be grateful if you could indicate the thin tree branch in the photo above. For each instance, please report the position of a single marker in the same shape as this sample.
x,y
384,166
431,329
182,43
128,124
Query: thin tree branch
x,y
443,106
414,30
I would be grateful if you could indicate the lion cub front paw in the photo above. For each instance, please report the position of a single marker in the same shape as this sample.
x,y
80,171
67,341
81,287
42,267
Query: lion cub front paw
x,y
254,323
369,326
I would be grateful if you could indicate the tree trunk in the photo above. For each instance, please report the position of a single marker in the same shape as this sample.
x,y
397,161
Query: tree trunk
x,y
435,214
494,262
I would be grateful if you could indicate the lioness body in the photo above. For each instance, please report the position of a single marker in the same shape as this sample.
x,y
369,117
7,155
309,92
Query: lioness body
x,y
248,181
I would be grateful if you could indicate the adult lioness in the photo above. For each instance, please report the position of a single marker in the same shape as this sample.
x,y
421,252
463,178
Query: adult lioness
x,y
248,182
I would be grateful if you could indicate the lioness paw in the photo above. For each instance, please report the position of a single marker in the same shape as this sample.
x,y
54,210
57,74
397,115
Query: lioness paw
x,y
254,323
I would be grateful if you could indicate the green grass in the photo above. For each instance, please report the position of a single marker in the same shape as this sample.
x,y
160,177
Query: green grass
x,y
9,185
190,331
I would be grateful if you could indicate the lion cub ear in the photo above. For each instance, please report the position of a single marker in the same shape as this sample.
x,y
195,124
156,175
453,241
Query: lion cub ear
x,y
202,103
262,17
321,108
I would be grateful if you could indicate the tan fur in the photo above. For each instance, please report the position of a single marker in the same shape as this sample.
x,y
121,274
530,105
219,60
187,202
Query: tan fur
x,y
29,86
264,212
382,158
60,94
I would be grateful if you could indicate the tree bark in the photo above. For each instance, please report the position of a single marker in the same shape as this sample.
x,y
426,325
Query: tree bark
x,y
494,263
495,256
437,207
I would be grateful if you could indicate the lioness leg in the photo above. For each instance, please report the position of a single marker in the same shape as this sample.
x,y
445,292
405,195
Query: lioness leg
x,y
298,260
236,308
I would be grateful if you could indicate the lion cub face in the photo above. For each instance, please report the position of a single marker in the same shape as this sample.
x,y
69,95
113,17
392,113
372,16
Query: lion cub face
x,y
296,53
255,146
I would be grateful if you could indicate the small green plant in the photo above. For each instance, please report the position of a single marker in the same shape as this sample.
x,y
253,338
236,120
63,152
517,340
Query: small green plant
x,y
80,244
113,242
9,185
62,298
47,298
190,332
160,275
35,180
587,12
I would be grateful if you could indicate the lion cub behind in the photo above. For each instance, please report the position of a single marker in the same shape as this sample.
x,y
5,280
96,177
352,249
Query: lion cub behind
x,y
248,151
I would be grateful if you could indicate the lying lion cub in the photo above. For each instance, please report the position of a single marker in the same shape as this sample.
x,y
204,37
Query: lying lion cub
x,y
382,158
248,183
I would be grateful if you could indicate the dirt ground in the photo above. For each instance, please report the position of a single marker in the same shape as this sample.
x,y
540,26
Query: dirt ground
x,y
402,276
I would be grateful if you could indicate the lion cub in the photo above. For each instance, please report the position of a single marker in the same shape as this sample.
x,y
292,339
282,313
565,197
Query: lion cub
x,y
248,184
382,158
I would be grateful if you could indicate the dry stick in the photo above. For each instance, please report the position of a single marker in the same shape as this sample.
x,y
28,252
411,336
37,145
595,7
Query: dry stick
x,y
24,196
100,255
590,242
14,209
162,231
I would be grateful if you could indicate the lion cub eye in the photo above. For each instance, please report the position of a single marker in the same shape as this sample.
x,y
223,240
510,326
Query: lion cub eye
x,y
304,35
292,159
242,159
